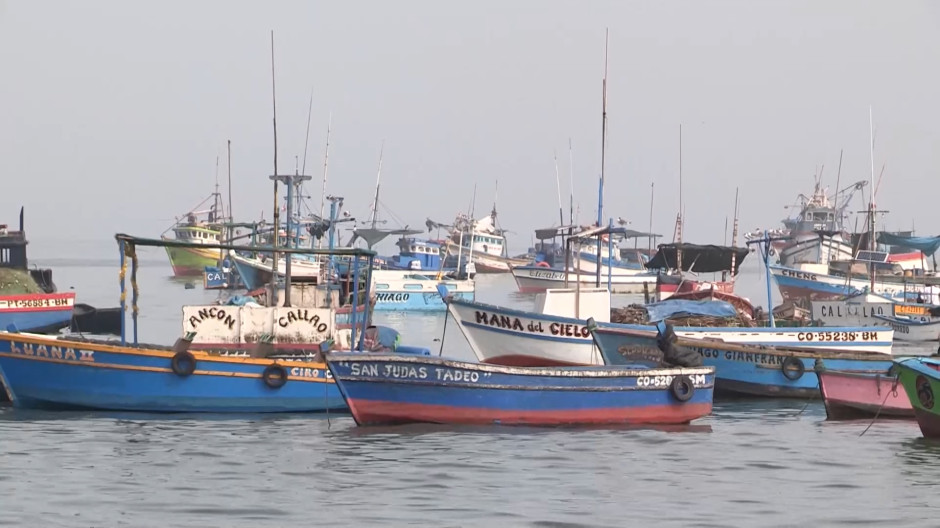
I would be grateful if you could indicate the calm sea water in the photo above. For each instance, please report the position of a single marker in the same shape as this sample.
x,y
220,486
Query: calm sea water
x,y
752,463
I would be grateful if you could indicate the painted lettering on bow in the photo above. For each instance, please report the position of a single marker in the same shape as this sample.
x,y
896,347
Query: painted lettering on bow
x,y
854,310
392,297
212,313
310,373
698,380
802,275
301,315
52,352
447,374
569,330
499,321
837,336
744,357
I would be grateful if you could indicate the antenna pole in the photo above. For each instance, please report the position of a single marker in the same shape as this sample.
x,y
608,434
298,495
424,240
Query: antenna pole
x,y
231,216
378,180
650,232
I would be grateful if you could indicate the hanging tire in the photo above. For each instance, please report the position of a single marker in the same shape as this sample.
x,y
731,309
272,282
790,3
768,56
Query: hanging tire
x,y
183,363
274,376
682,388
792,368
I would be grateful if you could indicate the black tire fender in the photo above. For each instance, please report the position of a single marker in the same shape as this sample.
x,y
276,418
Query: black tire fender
x,y
183,363
682,388
792,368
274,376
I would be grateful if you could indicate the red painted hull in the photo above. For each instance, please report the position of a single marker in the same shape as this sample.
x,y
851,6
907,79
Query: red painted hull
x,y
370,412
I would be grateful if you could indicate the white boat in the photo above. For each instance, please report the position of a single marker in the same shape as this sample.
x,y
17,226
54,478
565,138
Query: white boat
x,y
860,309
814,282
537,279
405,290
912,330
256,271
555,333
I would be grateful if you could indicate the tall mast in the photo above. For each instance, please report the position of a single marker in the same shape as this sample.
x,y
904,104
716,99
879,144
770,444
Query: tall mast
x,y
650,232
378,181
561,214
600,195
326,159
570,183
277,218
871,196
734,236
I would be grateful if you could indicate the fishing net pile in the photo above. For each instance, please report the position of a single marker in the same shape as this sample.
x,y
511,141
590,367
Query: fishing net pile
x,y
17,282
637,314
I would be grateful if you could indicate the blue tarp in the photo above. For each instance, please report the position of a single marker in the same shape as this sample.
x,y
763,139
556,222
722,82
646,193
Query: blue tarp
x,y
683,308
240,300
929,245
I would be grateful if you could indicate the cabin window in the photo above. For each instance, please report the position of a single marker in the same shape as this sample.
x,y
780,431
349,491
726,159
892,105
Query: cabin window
x,y
381,286
412,287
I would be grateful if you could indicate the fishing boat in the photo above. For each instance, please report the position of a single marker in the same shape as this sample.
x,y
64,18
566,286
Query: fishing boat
x,y
257,267
680,265
28,298
825,282
209,369
482,243
815,233
385,389
906,329
851,395
920,378
541,276
402,290
198,228
743,370
555,333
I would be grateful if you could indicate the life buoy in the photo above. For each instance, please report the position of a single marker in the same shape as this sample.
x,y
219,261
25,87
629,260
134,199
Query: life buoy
x,y
183,363
542,264
274,376
682,388
792,368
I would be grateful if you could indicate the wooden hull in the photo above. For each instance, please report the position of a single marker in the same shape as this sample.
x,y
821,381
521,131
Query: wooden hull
x,y
44,372
191,262
36,312
741,369
850,396
506,336
395,389
921,381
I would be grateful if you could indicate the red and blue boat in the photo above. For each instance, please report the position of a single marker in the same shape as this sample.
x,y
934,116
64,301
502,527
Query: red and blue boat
x,y
397,389
36,312
28,298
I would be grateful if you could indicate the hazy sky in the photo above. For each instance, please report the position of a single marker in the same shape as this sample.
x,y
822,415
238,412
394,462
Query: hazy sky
x,y
112,114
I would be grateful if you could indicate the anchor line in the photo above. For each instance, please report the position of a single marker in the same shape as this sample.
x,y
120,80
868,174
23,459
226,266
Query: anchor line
x,y
894,390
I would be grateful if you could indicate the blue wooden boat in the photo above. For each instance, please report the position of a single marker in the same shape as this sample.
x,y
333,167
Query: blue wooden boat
x,y
395,389
51,372
742,369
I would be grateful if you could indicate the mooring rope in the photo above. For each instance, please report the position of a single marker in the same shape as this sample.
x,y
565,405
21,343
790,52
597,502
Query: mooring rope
x,y
893,391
